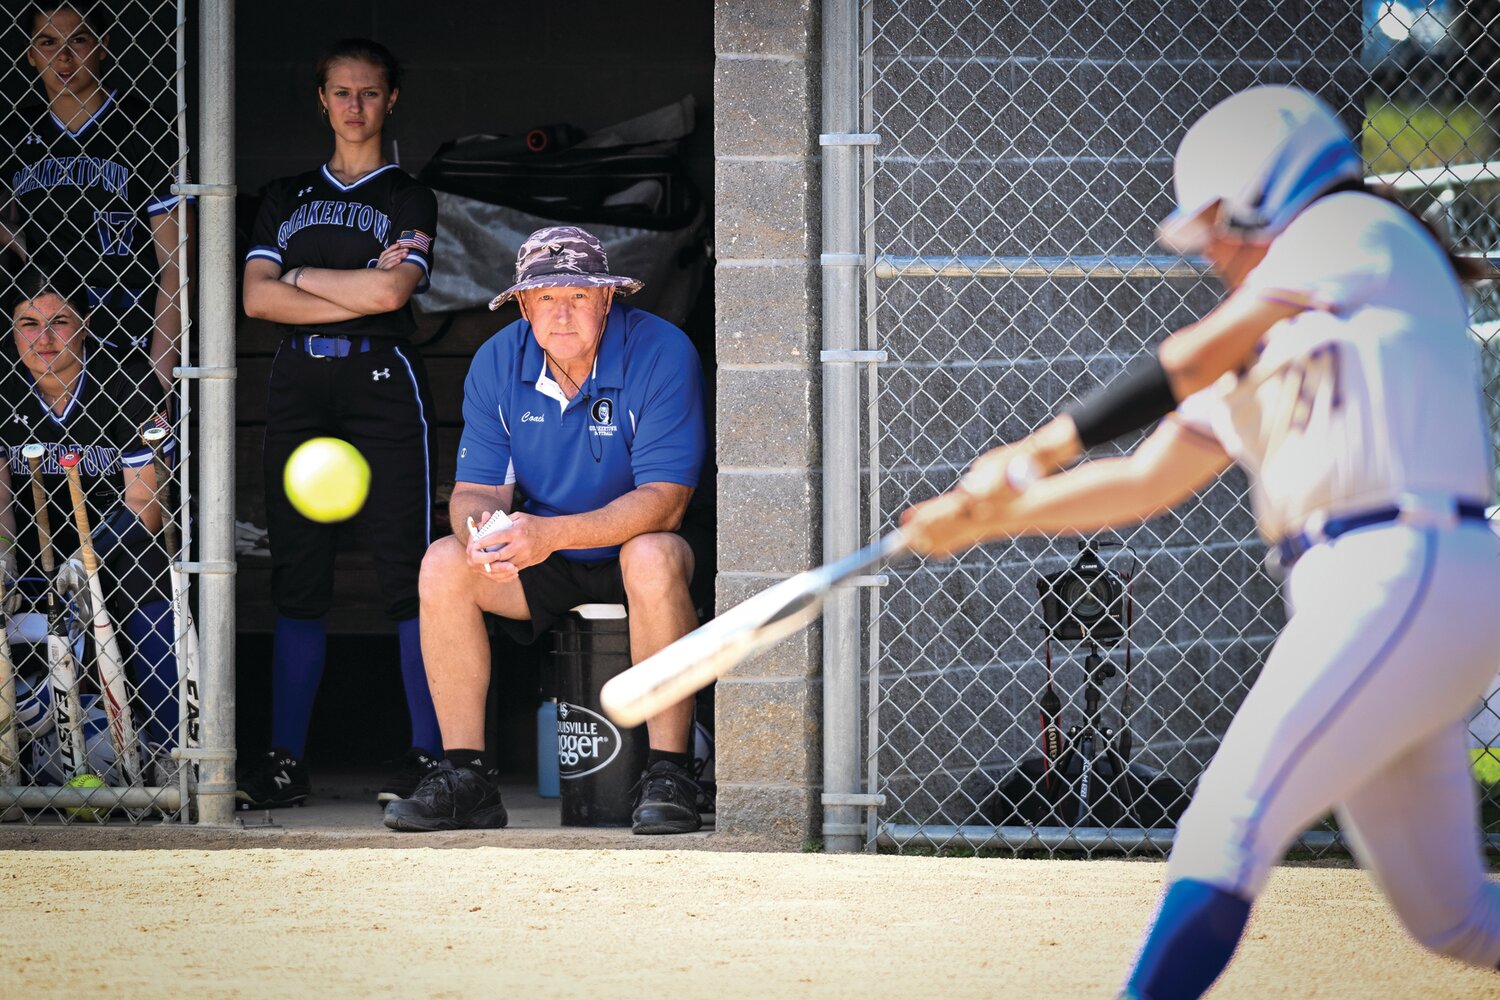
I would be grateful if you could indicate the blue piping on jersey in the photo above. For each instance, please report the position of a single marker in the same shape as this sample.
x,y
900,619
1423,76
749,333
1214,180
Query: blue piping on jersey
x,y
163,205
350,187
263,253
1403,625
109,99
426,442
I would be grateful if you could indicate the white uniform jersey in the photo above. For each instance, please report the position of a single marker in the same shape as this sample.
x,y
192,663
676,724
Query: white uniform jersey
x,y
1369,395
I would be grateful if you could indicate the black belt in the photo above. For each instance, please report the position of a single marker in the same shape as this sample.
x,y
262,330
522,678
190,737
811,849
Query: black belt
x,y
1293,547
319,346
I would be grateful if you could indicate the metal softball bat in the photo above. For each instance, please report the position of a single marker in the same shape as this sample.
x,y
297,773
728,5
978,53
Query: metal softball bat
x,y
708,652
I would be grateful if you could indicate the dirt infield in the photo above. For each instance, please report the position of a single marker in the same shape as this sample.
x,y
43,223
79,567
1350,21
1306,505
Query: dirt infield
x,y
535,923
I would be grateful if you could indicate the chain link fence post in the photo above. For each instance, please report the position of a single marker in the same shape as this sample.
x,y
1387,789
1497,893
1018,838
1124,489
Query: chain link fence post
x,y
842,263
217,306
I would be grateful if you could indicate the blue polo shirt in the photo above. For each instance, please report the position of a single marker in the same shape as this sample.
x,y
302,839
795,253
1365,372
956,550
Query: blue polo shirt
x,y
642,421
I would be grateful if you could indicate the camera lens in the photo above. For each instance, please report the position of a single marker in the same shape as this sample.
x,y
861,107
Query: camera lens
x,y
1089,599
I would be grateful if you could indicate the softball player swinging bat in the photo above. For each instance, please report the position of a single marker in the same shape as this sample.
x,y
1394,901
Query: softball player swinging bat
x,y
1350,397
106,647
62,668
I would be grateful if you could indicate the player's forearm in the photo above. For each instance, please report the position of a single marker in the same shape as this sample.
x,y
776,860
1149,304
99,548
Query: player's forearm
x,y
140,497
165,345
1108,493
367,291
168,335
1223,341
279,302
648,508
470,500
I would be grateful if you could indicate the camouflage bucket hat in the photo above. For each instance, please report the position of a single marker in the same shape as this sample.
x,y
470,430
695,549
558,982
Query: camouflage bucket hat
x,y
563,256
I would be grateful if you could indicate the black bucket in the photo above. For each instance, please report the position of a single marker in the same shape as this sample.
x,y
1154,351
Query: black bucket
x,y
598,763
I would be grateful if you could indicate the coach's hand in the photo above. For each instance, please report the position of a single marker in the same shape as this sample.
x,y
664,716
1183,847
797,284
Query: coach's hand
x,y
529,540
484,553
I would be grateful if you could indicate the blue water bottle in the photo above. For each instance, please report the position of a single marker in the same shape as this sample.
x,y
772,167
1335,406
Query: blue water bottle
x,y
548,785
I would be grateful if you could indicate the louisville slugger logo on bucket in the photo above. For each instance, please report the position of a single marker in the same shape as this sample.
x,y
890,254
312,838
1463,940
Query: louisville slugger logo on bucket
x,y
586,741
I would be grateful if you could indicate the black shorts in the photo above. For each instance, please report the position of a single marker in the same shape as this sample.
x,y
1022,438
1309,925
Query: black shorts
x,y
556,585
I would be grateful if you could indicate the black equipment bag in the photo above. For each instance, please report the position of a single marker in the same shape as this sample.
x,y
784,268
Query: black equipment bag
x,y
545,173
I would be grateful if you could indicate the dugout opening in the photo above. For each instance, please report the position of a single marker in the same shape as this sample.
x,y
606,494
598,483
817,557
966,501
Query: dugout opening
x,y
467,69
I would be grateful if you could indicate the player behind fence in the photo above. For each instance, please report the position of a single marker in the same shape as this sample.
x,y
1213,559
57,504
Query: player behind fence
x,y
1354,407
594,412
90,171
59,394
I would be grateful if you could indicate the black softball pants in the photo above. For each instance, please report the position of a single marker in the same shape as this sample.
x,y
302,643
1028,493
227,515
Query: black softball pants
x,y
378,401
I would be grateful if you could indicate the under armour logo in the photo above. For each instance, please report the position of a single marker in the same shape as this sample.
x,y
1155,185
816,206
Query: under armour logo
x,y
33,138
376,376
22,418
306,190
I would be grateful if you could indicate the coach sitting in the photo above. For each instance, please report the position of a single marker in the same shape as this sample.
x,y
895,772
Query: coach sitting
x,y
594,411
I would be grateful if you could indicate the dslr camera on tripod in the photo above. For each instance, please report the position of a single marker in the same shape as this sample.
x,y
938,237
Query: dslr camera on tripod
x,y
1086,777
1085,601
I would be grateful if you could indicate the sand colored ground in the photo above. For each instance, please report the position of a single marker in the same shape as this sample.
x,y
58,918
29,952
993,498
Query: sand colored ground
x,y
602,923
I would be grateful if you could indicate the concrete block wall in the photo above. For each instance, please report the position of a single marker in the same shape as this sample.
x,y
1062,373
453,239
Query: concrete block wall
x,y
766,196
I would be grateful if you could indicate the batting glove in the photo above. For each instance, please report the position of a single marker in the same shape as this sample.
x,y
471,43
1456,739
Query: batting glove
x,y
72,580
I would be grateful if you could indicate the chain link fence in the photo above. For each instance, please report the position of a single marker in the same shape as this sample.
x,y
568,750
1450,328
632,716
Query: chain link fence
x,y
1024,159
95,703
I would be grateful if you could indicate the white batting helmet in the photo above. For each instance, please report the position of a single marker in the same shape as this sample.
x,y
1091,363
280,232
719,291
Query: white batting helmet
x,y
1265,153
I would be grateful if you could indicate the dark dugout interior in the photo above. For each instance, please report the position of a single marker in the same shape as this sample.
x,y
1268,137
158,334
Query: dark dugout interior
x,y
498,69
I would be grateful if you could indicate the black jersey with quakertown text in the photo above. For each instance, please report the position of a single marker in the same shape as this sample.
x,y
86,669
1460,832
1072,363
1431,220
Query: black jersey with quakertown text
x,y
315,220
103,422
87,195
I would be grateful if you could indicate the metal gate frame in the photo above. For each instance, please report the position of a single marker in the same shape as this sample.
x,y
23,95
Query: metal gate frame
x,y
848,140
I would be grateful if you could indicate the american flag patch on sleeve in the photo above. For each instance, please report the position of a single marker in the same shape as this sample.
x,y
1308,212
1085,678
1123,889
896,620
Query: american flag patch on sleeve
x,y
160,420
415,239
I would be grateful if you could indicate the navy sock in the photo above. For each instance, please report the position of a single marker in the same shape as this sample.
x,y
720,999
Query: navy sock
x,y
1192,939
153,667
299,649
682,760
472,759
424,725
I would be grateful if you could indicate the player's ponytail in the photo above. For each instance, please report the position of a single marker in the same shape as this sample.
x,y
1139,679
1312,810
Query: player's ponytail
x,y
1468,269
360,50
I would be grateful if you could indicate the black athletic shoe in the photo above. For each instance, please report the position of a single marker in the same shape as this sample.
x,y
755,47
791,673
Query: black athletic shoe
x,y
667,801
273,780
414,767
448,798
